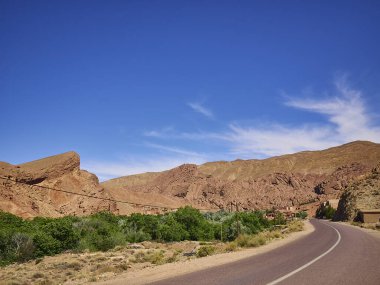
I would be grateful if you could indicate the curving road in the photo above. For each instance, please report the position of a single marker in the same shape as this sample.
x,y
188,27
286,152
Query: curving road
x,y
332,254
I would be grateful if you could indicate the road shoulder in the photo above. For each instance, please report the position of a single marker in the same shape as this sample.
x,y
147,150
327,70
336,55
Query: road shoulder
x,y
374,233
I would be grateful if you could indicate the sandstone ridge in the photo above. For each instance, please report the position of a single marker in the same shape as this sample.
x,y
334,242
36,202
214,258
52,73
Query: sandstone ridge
x,y
21,195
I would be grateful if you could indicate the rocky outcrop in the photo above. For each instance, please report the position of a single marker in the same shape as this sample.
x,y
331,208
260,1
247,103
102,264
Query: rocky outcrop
x,y
340,178
363,193
22,195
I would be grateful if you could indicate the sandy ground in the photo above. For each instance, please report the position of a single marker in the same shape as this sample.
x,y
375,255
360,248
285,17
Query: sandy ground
x,y
152,274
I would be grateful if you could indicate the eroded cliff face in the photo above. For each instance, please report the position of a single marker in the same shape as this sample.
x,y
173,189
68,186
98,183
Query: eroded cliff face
x,y
363,193
21,195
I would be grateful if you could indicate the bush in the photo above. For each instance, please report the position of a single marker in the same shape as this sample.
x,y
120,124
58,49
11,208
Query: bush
x,y
45,244
194,223
171,230
251,240
98,234
22,246
155,257
205,251
131,235
302,215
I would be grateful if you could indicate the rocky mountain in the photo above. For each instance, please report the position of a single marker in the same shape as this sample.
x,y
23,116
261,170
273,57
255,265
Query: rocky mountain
x,y
363,193
21,195
300,179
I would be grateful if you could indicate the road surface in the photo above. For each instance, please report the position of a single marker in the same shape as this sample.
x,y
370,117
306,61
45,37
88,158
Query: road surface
x,y
332,254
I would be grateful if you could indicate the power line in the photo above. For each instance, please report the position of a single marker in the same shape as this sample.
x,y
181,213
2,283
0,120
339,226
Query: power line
x,y
94,197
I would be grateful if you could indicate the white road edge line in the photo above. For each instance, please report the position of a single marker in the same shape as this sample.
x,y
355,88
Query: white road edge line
x,y
309,263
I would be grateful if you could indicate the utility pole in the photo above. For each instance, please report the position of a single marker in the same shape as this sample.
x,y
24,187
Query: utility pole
x,y
221,231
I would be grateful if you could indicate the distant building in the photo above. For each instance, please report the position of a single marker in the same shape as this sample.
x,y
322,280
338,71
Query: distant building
x,y
369,216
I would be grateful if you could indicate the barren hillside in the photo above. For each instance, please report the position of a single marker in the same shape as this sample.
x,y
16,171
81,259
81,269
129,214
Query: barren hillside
x,y
301,180
288,180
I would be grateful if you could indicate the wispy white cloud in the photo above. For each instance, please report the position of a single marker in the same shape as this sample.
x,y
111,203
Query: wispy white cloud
x,y
107,170
174,150
197,107
346,119
162,133
169,158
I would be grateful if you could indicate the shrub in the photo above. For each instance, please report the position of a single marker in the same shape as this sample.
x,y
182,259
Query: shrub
x,y
257,240
231,246
194,223
131,235
205,251
242,240
156,257
22,247
251,240
45,244
97,234
171,230
302,215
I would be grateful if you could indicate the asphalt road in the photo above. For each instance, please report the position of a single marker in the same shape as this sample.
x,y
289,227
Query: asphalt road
x,y
332,254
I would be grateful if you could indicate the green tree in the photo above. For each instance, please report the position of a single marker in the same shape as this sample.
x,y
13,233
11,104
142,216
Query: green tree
x,y
171,230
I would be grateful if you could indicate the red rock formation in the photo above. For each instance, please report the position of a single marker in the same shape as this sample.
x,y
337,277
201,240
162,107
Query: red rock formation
x,y
21,195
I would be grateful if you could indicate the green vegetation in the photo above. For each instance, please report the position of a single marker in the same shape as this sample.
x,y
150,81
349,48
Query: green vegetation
x,y
205,251
22,240
302,215
325,212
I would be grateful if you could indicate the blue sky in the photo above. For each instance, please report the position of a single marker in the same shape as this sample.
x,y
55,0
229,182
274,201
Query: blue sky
x,y
136,86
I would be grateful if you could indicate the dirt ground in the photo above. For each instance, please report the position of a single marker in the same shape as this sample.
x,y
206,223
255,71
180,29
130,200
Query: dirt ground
x,y
134,264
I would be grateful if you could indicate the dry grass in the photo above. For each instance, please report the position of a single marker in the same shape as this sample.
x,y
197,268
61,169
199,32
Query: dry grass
x,y
296,226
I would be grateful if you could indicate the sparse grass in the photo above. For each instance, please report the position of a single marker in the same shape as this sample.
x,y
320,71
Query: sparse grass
x,y
92,279
138,257
156,257
173,258
296,226
230,247
261,238
108,268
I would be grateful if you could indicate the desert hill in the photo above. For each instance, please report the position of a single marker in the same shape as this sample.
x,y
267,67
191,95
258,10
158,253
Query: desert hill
x,y
59,171
363,193
303,178
299,180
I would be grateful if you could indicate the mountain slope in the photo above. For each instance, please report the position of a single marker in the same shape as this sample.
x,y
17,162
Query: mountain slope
x,y
288,180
